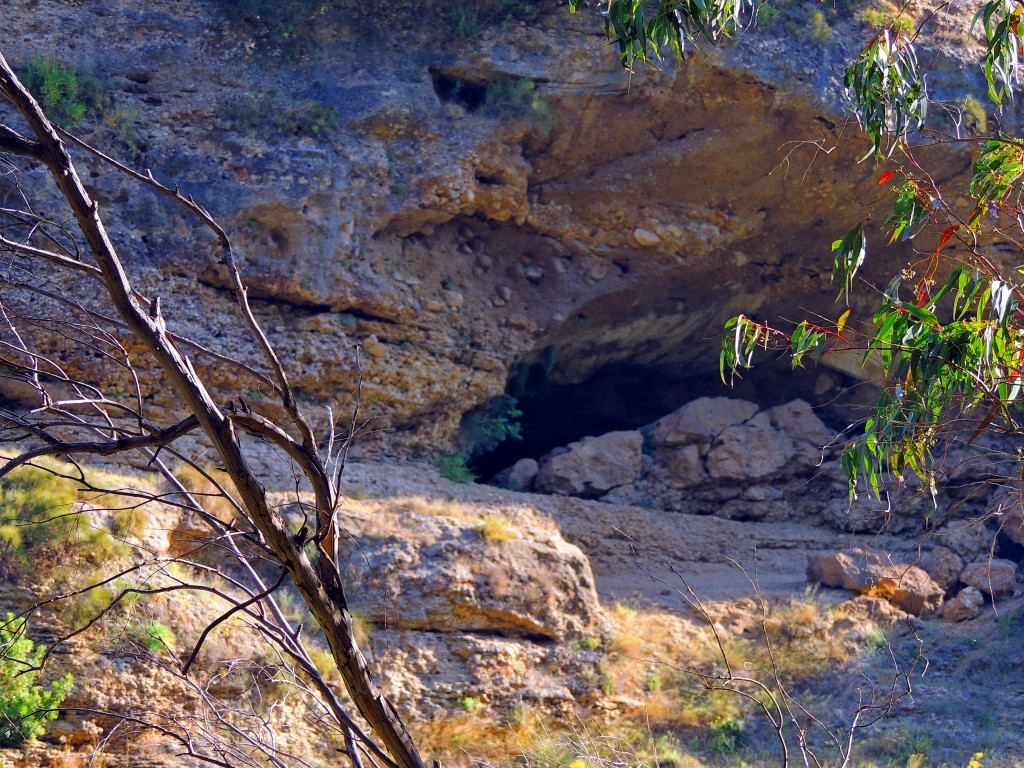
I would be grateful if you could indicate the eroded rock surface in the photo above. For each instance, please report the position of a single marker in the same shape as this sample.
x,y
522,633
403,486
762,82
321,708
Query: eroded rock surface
x,y
870,573
593,466
436,575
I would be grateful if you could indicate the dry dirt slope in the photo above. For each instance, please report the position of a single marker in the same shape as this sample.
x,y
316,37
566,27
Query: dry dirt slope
x,y
967,688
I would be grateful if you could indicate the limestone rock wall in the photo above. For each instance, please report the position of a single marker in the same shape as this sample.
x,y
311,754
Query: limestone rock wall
x,y
481,202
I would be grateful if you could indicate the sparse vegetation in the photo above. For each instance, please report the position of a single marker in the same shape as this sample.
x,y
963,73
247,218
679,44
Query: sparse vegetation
x,y
270,113
495,528
818,28
153,636
725,736
287,26
588,643
883,14
488,426
519,99
25,705
973,115
472,16
42,521
468,26
63,92
452,466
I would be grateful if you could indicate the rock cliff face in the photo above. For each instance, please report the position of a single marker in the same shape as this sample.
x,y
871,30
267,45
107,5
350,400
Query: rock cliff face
x,y
499,208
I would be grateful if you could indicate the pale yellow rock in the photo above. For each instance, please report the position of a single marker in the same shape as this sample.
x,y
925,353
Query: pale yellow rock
x,y
645,237
374,348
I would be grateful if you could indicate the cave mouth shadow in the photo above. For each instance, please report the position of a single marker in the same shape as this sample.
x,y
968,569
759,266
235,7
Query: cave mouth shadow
x,y
626,396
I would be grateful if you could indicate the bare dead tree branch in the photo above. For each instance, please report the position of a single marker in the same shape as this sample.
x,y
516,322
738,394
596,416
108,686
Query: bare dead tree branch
x,y
76,419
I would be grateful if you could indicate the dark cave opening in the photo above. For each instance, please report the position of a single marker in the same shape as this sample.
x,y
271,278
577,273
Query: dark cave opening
x,y
627,396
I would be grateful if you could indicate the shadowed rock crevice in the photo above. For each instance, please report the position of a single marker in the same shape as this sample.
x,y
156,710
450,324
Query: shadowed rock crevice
x,y
626,396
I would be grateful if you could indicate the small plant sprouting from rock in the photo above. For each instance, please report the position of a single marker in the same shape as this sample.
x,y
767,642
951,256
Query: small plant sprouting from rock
x,y
154,636
588,643
725,736
289,26
495,528
270,113
519,98
453,467
25,706
63,91
973,115
488,426
468,26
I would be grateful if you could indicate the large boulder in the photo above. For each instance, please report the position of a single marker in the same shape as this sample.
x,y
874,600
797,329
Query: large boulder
x,y
869,573
966,605
683,466
700,421
992,576
854,569
1012,523
945,567
592,466
752,450
799,422
518,477
911,589
492,576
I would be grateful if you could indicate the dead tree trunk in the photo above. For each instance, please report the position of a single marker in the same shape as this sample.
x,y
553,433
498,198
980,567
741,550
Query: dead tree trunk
x,y
321,586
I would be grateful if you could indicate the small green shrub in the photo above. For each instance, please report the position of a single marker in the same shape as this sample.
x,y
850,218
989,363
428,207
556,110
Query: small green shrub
x,y
488,426
495,528
64,94
876,18
271,114
469,704
453,467
974,115
588,643
154,636
468,26
288,26
35,508
766,15
518,98
25,706
40,521
909,744
725,736
817,26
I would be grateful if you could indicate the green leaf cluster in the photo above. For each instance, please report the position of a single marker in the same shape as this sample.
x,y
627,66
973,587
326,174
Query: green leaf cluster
x,y
995,177
850,253
41,522
25,705
1001,22
643,32
64,93
488,426
888,90
153,636
452,466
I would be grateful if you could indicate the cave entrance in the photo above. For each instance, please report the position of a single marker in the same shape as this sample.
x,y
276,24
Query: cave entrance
x,y
627,396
